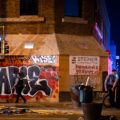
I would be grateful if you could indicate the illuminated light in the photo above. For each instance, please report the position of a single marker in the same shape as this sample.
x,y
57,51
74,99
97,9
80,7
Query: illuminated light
x,y
109,66
29,45
0,39
98,31
117,57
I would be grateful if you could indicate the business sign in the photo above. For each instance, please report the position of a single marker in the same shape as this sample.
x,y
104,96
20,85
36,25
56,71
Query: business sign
x,y
83,65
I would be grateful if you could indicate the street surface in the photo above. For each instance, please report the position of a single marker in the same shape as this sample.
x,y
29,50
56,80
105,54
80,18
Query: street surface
x,y
50,111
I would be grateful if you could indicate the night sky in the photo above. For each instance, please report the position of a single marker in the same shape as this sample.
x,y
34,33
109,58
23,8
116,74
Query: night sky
x,y
113,7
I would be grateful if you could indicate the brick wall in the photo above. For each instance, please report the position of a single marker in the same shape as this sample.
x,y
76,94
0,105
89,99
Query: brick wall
x,y
74,28
11,9
53,12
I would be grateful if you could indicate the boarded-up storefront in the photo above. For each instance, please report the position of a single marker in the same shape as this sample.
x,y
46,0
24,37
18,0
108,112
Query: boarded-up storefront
x,y
91,59
40,66
54,64
40,75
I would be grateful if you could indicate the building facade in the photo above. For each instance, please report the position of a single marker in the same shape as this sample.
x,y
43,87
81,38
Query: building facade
x,y
54,47
102,32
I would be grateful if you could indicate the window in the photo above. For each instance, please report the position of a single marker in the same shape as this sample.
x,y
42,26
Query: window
x,y
73,8
28,7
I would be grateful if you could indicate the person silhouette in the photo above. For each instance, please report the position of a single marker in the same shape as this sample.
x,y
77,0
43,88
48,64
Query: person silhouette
x,y
110,84
19,85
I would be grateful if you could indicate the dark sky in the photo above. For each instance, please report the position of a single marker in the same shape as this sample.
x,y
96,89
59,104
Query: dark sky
x,y
113,7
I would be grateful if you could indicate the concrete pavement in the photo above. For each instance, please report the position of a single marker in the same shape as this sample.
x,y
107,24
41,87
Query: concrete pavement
x,y
52,111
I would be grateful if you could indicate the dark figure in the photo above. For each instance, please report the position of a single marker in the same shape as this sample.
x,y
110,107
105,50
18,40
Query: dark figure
x,y
118,92
19,85
110,84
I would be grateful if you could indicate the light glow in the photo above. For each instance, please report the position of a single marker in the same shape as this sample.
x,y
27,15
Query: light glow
x,y
98,31
29,45
117,57
109,65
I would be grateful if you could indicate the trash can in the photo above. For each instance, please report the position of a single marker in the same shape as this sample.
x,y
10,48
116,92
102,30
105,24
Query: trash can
x,y
74,91
85,94
92,111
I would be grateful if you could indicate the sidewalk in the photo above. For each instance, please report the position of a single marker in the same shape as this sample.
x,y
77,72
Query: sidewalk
x,y
58,108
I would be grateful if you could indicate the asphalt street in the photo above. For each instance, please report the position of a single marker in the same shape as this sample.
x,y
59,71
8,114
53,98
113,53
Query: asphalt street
x,y
49,111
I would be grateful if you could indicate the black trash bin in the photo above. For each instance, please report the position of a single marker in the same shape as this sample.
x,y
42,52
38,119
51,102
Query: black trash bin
x,y
85,94
92,111
81,94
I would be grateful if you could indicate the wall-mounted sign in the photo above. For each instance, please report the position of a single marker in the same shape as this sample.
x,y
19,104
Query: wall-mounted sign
x,y
83,65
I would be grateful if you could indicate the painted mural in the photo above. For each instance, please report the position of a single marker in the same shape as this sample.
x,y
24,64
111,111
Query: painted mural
x,y
40,76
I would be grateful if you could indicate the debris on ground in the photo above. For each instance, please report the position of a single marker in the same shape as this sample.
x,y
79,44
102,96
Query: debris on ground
x,y
13,110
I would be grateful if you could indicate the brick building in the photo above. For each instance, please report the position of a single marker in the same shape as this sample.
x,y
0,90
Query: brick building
x,y
101,32
56,38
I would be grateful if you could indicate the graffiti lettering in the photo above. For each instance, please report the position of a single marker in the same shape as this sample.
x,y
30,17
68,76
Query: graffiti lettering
x,y
4,82
32,79
43,59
